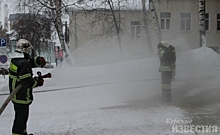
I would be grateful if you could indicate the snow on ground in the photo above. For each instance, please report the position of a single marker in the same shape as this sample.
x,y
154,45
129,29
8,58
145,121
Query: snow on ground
x,y
123,98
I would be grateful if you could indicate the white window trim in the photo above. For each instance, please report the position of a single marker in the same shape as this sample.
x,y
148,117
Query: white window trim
x,y
209,22
165,21
135,34
185,23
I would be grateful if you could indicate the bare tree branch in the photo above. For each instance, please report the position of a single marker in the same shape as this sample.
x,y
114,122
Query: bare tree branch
x,y
46,5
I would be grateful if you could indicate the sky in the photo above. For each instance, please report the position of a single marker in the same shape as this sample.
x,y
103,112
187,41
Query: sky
x,y
11,8
122,97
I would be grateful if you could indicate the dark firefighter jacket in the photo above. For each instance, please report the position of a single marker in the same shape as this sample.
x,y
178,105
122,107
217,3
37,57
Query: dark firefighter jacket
x,y
20,72
167,56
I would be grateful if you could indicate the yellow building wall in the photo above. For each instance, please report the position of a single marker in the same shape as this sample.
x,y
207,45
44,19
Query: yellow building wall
x,y
182,40
190,38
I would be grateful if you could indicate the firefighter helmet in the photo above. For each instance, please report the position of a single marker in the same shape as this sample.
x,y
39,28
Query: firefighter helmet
x,y
24,46
165,43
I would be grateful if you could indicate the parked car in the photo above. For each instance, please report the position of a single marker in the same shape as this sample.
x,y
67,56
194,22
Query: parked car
x,y
48,65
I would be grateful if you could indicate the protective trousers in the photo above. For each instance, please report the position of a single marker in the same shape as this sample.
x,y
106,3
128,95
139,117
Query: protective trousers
x,y
166,77
21,118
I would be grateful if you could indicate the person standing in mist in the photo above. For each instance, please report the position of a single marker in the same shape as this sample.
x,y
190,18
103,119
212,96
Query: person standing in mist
x,y
167,56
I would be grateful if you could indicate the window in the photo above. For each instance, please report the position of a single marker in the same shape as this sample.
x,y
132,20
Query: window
x,y
185,21
165,21
218,22
136,29
207,21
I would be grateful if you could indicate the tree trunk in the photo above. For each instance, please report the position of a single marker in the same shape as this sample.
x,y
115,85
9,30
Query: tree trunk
x,y
59,24
145,20
202,19
116,24
155,18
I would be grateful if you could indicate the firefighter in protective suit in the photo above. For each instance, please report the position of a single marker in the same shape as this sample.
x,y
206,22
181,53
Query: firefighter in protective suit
x,y
167,56
20,72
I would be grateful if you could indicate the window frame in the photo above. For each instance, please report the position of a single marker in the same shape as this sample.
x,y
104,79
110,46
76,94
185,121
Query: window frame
x,y
207,22
136,29
165,20
218,21
184,20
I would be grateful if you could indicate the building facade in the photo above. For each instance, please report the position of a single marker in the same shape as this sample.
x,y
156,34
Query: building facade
x,y
179,21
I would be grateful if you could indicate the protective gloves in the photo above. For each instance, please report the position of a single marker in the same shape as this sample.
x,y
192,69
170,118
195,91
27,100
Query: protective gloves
x,y
40,80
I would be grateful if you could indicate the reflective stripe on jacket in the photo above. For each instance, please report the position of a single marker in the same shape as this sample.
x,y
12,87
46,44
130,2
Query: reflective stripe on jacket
x,y
160,52
166,86
165,68
167,58
20,72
